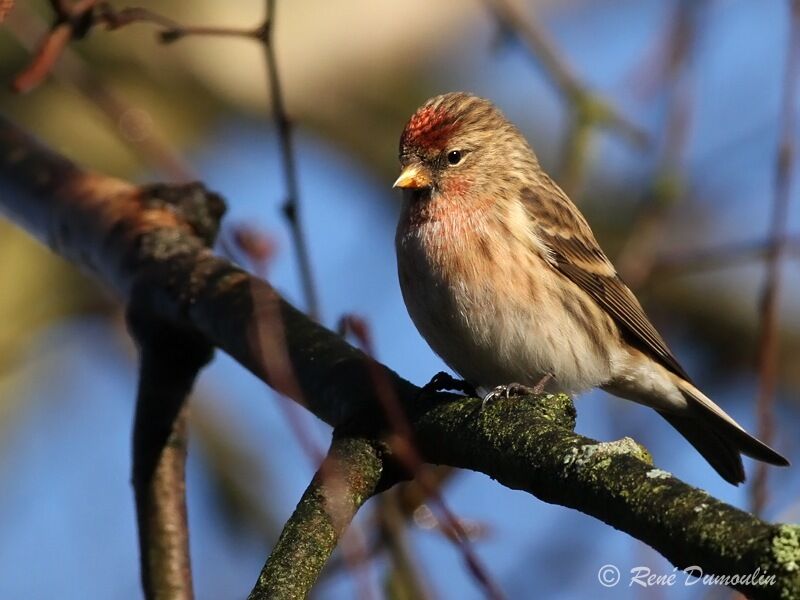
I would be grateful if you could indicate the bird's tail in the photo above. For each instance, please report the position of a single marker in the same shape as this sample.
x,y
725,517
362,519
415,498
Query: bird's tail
x,y
719,438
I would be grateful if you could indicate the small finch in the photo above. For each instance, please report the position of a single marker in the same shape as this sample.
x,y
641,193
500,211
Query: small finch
x,y
503,277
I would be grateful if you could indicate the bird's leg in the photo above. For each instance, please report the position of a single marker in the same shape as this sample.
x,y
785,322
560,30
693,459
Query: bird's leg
x,y
443,381
539,387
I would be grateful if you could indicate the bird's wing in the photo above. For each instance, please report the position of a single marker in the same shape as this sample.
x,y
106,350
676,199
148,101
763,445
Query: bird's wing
x,y
575,253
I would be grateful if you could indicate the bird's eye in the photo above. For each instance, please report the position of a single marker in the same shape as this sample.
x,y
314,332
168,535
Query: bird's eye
x,y
454,157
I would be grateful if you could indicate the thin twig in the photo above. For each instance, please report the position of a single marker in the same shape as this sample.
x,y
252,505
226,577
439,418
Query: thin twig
x,y
767,360
44,60
405,449
114,19
291,206
172,30
271,343
410,501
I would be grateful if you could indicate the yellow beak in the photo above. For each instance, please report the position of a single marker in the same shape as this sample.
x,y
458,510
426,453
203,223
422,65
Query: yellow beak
x,y
413,177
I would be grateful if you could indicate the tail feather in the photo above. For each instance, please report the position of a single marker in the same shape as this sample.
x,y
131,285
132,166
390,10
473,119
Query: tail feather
x,y
716,449
719,438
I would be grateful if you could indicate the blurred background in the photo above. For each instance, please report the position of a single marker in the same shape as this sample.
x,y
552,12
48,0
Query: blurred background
x,y
661,117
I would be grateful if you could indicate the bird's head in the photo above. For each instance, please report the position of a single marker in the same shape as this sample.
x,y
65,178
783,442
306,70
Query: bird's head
x,y
457,143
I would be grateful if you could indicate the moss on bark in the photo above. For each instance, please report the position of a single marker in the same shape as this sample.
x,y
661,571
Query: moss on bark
x,y
347,478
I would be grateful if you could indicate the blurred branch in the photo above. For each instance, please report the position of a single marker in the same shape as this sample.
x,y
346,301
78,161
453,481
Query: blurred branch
x,y
170,360
72,21
171,31
404,447
291,206
404,581
348,478
407,504
5,7
636,259
72,70
587,109
76,20
768,306
153,240
726,255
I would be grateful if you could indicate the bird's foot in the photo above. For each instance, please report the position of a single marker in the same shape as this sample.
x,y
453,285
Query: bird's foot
x,y
443,381
506,391
516,389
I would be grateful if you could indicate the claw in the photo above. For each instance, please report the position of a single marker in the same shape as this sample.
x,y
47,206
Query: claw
x,y
505,391
500,390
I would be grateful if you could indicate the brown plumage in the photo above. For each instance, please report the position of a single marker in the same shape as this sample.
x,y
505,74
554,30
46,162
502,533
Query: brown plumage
x,y
503,277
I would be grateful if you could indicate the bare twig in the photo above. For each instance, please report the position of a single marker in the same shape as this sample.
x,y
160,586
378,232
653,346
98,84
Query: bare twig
x,y
45,58
272,346
291,207
249,246
767,360
171,31
408,499
114,19
6,7
404,447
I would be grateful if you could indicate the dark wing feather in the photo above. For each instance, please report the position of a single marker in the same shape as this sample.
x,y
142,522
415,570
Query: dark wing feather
x,y
577,255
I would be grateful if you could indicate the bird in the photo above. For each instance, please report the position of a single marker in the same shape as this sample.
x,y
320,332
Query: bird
x,y
503,277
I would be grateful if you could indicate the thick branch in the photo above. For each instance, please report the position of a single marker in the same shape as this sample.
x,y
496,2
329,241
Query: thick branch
x,y
348,478
129,235
531,446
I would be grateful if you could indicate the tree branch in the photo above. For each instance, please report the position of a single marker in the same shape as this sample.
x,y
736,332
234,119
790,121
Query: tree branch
x,y
127,235
348,478
531,446
170,361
